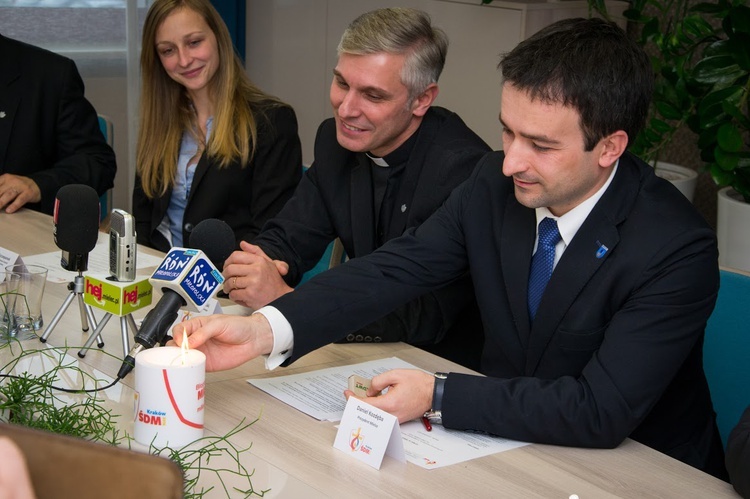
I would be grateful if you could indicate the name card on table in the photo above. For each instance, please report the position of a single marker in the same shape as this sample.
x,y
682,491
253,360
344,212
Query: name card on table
x,y
7,257
367,433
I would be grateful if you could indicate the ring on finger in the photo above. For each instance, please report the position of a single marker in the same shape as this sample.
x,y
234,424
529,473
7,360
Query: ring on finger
x,y
234,282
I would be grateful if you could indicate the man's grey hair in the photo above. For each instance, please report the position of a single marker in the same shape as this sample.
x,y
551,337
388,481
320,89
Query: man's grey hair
x,y
400,31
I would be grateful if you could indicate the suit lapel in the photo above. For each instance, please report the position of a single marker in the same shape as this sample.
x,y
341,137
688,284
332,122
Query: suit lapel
x,y
410,182
592,245
576,267
363,232
200,172
516,246
9,99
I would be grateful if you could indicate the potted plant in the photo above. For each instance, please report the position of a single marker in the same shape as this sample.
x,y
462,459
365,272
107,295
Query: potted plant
x,y
722,121
675,35
702,64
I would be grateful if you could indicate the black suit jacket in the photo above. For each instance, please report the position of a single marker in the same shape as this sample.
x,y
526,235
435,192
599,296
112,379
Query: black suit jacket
x,y
49,132
244,196
335,199
616,346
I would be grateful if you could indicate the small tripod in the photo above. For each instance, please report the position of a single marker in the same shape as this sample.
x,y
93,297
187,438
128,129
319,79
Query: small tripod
x,y
76,288
124,321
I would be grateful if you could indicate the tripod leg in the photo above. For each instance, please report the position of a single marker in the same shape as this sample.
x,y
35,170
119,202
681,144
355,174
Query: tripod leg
x,y
57,317
92,321
82,308
94,335
125,339
132,323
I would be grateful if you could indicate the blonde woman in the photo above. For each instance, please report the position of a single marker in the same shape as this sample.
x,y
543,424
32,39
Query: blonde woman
x,y
211,144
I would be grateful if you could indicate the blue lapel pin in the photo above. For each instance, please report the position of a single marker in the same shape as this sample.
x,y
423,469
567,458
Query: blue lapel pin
x,y
601,251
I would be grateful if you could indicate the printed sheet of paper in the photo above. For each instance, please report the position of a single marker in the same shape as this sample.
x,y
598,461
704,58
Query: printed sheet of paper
x,y
442,447
98,262
320,394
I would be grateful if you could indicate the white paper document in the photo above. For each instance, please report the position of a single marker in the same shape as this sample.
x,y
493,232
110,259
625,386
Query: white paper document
x,y
442,447
98,262
320,394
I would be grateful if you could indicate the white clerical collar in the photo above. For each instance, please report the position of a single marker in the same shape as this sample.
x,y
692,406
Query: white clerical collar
x,y
378,161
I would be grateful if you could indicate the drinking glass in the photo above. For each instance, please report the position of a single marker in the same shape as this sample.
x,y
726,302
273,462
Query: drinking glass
x,y
24,288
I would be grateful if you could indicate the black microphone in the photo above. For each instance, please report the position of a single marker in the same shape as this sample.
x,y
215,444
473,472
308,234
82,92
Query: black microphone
x,y
76,224
216,238
186,277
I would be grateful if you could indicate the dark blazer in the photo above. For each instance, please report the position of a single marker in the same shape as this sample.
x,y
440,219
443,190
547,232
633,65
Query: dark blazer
x,y
244,196
49,132
738,455
334,199
616,346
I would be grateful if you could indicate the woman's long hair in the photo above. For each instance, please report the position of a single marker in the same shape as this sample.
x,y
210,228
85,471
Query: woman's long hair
x,y
166,111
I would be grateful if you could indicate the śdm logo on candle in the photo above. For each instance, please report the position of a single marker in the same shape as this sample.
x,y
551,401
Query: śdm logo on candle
x,y
170,394
156,418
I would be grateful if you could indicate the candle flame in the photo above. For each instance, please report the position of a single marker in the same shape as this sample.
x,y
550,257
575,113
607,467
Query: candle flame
x,y
184,345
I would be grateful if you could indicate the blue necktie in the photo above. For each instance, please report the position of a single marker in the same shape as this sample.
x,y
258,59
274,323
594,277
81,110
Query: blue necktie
x,y
542,263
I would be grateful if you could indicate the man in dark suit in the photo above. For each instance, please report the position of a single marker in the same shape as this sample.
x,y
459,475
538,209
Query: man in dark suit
x,y
385,162
49,132
611,346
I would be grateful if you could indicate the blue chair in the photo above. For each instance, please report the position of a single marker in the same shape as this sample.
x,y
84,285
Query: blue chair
x,y
726,350
334,255
105,200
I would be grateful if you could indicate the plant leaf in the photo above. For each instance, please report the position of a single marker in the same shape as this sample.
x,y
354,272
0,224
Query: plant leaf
x,y
720,70
727,161
729,138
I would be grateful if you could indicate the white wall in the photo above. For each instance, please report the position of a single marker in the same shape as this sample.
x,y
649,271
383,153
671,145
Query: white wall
x,y
291,51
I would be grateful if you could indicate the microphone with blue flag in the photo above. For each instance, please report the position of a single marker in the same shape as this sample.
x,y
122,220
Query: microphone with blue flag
x,y
187,278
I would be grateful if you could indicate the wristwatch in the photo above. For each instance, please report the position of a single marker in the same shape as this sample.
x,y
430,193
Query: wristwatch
x,y
435,415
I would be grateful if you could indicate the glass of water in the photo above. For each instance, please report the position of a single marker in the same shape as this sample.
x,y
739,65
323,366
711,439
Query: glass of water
x,y
24,288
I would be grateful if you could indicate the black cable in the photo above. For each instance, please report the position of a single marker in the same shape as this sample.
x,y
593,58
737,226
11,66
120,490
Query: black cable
x,y
66,390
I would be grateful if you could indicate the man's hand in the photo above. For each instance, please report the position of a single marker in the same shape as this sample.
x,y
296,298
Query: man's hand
x,y
16,191
409,393
227,340
252,279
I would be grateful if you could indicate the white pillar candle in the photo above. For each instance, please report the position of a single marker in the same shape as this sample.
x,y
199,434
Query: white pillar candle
x,y
169,396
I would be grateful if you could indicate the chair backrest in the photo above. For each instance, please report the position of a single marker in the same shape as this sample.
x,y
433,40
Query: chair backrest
x,y
105,200
726,351
333,255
